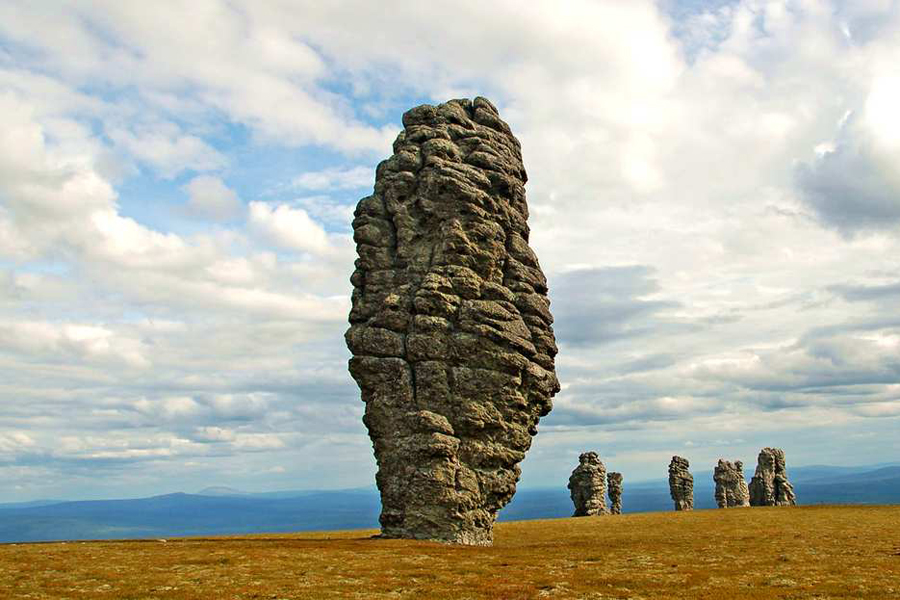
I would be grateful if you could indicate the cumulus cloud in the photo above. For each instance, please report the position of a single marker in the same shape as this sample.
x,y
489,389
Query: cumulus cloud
x,y
210,198
287,227
873,292
253,70
813,364
599,305
336,179
720,238
71,342
853,185
166,149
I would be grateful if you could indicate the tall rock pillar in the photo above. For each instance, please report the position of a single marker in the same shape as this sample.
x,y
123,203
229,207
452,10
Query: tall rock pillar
x,y
450,326
614,489
681,483
731,487
587,486
770,485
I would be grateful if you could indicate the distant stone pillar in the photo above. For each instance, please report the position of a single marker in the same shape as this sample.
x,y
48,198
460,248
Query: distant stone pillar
x,y
681,483
587,486
770,486
731,488
614,489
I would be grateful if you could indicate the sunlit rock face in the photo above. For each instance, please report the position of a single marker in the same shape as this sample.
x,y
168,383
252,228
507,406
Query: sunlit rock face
x,y
587,486
731,488
450,326
681,483
770,485
614,489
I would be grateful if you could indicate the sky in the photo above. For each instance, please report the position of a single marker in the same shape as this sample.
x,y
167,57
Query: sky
x,y
714,190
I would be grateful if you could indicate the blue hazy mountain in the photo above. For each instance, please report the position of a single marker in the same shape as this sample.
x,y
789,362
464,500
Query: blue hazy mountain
x,y
29,504
190,515
223,510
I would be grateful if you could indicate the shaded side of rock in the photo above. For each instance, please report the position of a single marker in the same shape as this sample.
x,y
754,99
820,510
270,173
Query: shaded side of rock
x,y
450,325
614,489
731,488
587,486
769,485
681,483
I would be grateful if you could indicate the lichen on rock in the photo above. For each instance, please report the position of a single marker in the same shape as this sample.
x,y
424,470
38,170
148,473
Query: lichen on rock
x,y
681,483
450,325
769,485
731,488
587,486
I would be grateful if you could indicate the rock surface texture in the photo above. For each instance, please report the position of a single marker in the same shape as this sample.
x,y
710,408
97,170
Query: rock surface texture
x,y
731,488
681,483
587,486
450,325
614,489
770,485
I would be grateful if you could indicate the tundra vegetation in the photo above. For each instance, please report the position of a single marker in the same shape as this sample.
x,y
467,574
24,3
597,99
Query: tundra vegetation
x,y
760,554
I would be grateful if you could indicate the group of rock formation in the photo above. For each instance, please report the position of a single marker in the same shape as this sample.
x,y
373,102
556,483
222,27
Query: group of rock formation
x,y
590,483
452,339
769,486
450,326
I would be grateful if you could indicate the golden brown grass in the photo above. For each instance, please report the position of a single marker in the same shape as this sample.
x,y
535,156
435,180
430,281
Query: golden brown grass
x,y
759,554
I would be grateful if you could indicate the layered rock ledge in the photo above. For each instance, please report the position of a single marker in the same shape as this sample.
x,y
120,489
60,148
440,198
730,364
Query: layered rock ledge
x,y
451,335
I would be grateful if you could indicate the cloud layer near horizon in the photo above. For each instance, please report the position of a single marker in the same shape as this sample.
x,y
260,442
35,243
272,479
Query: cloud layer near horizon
x,y
714,195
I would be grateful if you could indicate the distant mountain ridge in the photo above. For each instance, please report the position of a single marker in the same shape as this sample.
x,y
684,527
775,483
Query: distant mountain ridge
x,y
221,510
221,490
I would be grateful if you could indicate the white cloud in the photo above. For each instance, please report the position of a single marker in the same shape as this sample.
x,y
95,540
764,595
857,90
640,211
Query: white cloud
x,y
210,198
252,69
854,185
71,341
164,147
14,442
214,434
692,269
287,227
258,442
880,111
336,179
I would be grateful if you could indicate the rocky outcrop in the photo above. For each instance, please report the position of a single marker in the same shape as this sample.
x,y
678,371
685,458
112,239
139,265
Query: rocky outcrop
x,y
614,489
450,326
770,485
587,486
681,483
731,488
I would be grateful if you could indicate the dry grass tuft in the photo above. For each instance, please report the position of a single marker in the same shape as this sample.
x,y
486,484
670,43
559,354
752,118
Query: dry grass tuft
x,y
758,554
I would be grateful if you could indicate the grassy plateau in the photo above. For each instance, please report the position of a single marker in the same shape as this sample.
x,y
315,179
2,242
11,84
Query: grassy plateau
x,y
760,553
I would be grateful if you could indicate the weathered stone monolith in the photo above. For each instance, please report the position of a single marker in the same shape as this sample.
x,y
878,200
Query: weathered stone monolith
x,y
731,488
587,486
450,327
681,483
769,485
614,489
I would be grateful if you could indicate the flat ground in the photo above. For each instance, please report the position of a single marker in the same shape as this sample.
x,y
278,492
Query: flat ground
x,y
759,553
